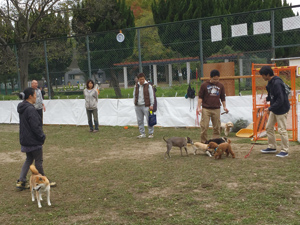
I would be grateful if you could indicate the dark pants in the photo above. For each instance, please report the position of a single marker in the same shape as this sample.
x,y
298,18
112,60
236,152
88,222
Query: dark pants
x,y
93,112
38,157
40,112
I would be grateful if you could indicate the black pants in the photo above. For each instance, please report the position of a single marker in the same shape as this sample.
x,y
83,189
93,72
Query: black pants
x,y
37,156
40,112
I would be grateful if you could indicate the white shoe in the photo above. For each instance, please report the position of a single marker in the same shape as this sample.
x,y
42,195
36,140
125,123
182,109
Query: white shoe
x,y
141,136
151,136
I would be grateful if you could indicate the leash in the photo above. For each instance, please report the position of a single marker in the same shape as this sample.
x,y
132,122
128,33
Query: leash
x,y
197,123
263,120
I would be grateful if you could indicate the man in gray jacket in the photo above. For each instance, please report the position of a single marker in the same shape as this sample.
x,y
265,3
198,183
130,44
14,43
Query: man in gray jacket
x,y
143,99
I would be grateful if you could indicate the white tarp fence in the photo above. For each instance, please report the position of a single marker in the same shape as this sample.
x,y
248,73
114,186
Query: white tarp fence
x,y
171,112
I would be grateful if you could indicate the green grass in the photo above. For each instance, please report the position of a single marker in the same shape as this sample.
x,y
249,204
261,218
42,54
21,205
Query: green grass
x,y
111,177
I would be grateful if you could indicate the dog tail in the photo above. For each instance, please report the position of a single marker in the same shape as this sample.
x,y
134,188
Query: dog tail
x,y
164,139
228,141
34,170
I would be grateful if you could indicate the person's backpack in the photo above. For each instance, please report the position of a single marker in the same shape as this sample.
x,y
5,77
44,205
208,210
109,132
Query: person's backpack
x,y
191,95
287,89
190,92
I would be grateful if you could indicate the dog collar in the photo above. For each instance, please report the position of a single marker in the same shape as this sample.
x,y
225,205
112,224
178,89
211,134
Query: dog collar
x,y
216,149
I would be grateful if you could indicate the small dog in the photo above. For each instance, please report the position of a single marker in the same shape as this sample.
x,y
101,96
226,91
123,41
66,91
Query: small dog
x,y
226,128
219,140
201,146
220,149
178,142
39,184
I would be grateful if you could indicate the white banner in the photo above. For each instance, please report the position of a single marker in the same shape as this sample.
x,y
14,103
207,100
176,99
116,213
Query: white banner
x,y
291,23
216,33
263,27
171,111
239,30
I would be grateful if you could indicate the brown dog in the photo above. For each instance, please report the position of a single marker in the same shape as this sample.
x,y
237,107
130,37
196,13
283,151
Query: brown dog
x,y
39,184
220,149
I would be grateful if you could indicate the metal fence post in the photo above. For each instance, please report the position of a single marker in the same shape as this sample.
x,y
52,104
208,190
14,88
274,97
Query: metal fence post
x,y
18,70
140,52
273,33
201,48
88,55
47,70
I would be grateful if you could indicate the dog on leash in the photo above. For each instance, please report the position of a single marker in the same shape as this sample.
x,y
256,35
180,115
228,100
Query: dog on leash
x,y
220,149
226,128
203,147
219,140
39,184
180,142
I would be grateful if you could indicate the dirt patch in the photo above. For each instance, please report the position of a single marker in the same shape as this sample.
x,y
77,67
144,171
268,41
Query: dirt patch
x,y
135,151
11,157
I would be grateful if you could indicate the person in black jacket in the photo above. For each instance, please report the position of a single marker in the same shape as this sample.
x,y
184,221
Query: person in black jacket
x,y
279,108
32,136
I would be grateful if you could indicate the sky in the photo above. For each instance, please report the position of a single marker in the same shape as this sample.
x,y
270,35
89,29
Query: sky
x,y
295,2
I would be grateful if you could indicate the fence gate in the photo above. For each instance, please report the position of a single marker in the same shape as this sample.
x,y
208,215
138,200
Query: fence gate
x,y
259,93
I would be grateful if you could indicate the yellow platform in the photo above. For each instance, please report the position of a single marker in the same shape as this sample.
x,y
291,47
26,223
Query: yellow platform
x,y
245,132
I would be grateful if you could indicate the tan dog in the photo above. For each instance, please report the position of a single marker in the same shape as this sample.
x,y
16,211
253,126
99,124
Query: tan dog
x,y
39,184
226,128
220,149
201,146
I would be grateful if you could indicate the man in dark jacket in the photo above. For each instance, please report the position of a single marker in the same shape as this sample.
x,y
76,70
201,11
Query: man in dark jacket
x,y
279,108
32,136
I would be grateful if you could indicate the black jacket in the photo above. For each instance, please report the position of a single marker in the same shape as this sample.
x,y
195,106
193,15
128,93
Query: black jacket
x,y
31,132
279,100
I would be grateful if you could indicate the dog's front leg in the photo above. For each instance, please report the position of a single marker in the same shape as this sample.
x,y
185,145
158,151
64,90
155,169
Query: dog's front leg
x,y
181,151
48,197
32,195
38,199
186,151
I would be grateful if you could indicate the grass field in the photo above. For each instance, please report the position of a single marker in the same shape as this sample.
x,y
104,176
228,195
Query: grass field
x,y
111,177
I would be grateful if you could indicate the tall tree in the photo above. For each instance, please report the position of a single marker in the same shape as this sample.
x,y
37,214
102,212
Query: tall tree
x,y
105,18
21,19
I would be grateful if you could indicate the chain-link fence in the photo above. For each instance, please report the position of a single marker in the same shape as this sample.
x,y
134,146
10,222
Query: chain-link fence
x,y
171,55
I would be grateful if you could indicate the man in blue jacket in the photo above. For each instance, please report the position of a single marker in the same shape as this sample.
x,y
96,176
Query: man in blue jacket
x,y
279,108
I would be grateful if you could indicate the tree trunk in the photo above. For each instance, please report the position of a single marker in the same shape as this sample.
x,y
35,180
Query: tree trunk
x,y
12,85
5,86
23,62
115,84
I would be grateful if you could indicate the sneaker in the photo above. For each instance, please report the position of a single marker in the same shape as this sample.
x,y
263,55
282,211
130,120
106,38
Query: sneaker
x,y
52,184
268,150
95,131
91,130
141,136
22,185
282,154
151,136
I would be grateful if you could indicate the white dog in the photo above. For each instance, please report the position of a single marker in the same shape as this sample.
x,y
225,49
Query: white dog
x,y
226,127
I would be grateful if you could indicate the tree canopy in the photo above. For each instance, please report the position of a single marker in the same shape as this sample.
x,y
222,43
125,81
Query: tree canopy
x,y
95,17
25,21
176,35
